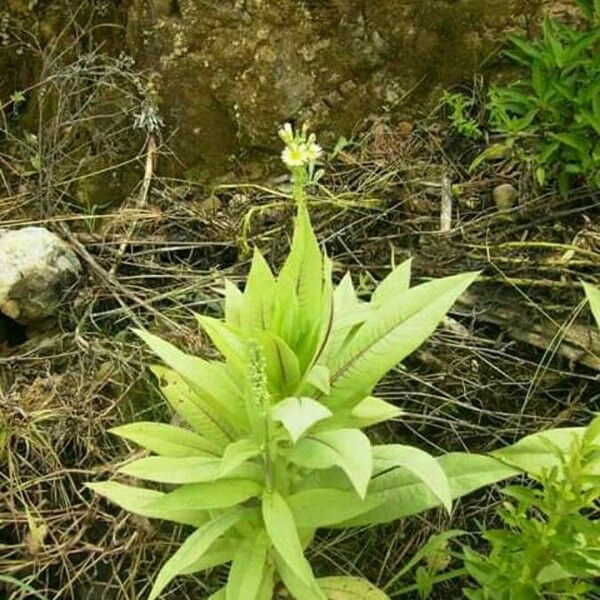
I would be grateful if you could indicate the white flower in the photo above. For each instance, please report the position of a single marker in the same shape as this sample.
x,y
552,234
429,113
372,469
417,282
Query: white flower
x,y
312,151
294,155
286,133
301,149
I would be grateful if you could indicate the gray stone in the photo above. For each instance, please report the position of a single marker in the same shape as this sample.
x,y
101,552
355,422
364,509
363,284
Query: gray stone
x,y
505,196
37,270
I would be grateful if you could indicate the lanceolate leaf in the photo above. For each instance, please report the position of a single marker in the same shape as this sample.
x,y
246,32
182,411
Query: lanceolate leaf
x,y
283,369
348,449
257,308
282,532
593,296
538,451
227,340
350,588
210,379
221,552
166,440
389,335
297,588
303,269
323,507
191,469
234,300
237,453
403,494
397,282
248,568
193,408
222,493
298,415
318,377
371,411
193,549
421,464
137,500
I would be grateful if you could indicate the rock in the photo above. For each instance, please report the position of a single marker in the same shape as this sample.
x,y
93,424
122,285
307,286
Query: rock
x,y
37,269
505,196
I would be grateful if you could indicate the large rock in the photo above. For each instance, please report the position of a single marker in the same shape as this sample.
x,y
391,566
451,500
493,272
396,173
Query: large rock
x,y
225,74
37,270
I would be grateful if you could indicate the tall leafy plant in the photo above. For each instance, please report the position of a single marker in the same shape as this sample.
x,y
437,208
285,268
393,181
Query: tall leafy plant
x,y
275,447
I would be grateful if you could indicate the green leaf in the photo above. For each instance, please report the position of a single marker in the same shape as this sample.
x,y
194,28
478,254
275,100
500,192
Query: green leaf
x,y
280,526
389,335
493,152
318,377
434,544
538,451
227,340
403,494
421,464
237,453
198,413
348,449
350,588
257,309
221,552
298,415
194,547
593,295
397,282
166,440
234,303
21,585
282,366
348,314
247,569
191,469
295,586
323,507
303,269
576,142
137,500
223,493
209,379
372,410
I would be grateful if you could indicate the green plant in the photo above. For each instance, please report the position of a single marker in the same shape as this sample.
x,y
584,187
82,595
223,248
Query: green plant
x,y
275,448
549,546
593,296
551,118
460,107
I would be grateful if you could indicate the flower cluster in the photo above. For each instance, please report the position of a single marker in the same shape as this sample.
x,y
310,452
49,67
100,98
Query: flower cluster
x,y
301,149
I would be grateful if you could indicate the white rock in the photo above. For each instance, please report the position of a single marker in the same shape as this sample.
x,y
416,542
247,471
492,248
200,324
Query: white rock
x,y
37,270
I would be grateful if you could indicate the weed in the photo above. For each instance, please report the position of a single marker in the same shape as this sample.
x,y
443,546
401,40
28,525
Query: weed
x,y
550,119
549,546
460,107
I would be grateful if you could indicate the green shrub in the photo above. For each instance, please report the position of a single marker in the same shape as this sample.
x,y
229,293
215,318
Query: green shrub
x,y
549,546
551,117
275,448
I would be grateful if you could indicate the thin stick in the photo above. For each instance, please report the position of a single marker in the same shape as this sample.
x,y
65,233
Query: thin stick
x,y
446,211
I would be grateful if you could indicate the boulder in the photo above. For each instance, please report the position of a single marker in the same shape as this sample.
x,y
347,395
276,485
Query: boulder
x,y
37,270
